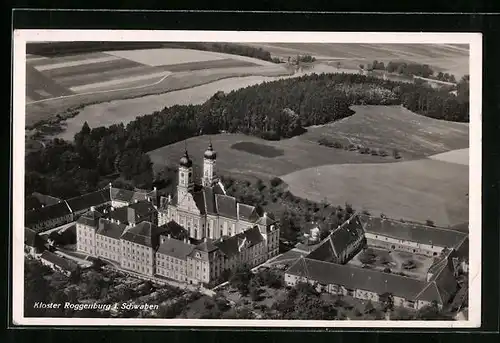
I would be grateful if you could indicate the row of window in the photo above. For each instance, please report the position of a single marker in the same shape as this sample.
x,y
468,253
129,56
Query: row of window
x,y
137,267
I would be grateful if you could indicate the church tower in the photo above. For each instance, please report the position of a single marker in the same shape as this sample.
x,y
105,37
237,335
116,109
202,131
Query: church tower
x,y
186,182
209,157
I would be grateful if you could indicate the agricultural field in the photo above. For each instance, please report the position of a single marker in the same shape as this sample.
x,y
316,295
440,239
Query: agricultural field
x,y
443,57
414,187
394,127
57,84
294,154
413,190
460,156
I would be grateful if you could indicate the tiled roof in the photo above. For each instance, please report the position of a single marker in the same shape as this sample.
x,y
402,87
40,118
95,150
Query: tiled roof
x,y
90,218
347,233
247,213
45,199
58,261
266,219
206,246
209,199
199,200
85,201
226,206
230,245
175,248
412,232
125,195
110,229
58,210
357,278
144,233
430,293
143,208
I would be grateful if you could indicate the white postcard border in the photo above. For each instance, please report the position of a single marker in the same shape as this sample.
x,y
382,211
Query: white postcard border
x,y
475,135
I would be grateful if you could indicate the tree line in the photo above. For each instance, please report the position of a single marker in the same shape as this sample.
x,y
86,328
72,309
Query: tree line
x,y
272,110
67,48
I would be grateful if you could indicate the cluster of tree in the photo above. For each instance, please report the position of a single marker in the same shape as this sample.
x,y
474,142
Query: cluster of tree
x,y
376,65
292,212
409,69
273,110
248,283
359,148
446,77
305,303
305,59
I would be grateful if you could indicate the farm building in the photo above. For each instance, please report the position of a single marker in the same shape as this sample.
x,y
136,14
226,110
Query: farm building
x,y
48,217
83,203
366,284
410,237
342,244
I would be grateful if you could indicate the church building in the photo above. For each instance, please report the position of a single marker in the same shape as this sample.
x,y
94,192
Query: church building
x,y
205,209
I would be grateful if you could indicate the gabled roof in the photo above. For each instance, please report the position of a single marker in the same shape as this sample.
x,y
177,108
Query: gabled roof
x,y
58,261
430,293
199,200
266,219
90,218
175,248
43,214
110,229
143,208
207,246
144,233
247,213
45,199
85,201
209,200
357,278
125,195
230,245
226,206
418,233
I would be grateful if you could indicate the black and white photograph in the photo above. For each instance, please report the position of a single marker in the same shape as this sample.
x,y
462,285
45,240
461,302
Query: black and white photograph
x,y
254,179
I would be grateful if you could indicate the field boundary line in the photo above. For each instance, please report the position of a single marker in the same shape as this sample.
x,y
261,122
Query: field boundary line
x,y
101,92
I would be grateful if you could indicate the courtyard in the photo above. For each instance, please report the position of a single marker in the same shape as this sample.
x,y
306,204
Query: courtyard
x,y
397,262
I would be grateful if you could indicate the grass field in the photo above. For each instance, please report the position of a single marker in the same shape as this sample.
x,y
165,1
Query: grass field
x,y
57,84
443,57
414,190
417,188
460,156
394,127
297,154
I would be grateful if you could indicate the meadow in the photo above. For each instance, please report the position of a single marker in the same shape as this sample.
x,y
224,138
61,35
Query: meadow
x,y
414,188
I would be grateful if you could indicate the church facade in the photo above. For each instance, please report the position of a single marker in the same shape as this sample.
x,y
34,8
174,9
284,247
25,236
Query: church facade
x,y
206,211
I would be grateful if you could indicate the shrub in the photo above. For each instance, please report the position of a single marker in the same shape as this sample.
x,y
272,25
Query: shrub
x,y
337,145
374,152
383,153
276,181
429,222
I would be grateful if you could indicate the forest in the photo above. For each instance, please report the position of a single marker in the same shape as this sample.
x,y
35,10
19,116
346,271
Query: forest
x,y
272,110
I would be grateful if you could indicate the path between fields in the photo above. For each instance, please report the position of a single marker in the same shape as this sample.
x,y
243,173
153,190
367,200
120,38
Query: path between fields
x,y
102,91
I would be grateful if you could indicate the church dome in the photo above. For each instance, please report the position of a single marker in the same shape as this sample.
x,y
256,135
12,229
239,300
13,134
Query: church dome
x,y
185,161
210,153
